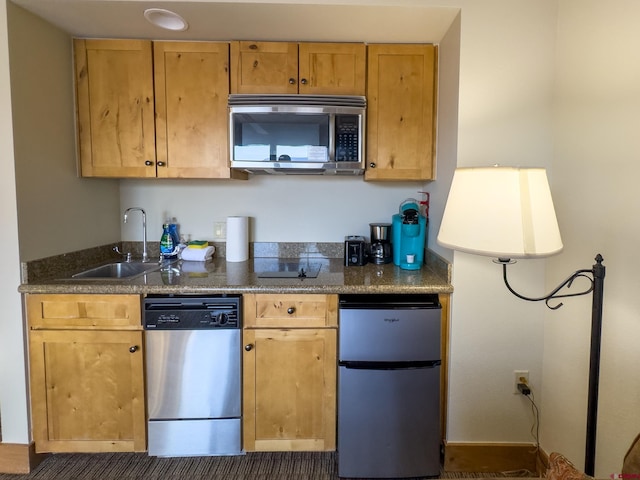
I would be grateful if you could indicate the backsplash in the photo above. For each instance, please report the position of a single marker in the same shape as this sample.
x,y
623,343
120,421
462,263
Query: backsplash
x,y
64,265
61,266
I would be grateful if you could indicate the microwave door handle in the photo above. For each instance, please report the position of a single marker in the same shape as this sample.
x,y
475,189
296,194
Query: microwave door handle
x,y
332,137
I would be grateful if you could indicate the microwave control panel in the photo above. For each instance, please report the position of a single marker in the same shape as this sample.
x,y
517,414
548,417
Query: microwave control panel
x,y
347,138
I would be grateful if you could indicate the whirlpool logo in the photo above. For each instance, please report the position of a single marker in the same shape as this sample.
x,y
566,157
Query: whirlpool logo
x,y
391,320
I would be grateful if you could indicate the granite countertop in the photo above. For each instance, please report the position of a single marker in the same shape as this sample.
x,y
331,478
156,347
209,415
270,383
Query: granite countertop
x,y
220,276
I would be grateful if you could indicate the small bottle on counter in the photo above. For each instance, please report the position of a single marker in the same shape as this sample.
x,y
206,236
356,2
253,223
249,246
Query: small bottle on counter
x,y
167,243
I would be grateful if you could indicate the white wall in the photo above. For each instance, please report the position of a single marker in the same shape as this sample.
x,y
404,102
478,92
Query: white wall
x,y
447,135
58,212
595,174
46,209
282,209
13,385
506,80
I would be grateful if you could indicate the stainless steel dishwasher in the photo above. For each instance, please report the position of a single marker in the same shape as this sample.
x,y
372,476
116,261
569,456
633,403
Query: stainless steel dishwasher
x,y
193,373
389,386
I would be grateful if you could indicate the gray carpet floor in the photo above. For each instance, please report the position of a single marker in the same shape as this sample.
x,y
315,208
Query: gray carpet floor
x,y
253,466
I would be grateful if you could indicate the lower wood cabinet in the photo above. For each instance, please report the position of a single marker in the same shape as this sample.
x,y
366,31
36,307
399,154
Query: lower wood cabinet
x,y
86,373
289,372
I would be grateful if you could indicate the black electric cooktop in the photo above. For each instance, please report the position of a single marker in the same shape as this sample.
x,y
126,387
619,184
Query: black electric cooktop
x,y
290,268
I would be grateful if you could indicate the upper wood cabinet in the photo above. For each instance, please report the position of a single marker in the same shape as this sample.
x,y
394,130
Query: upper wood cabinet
x,y
115,108
305,68
401,109
118,134
159,109
192,92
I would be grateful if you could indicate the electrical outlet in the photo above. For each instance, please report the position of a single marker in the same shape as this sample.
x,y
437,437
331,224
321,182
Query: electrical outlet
x,y
219,230
520,376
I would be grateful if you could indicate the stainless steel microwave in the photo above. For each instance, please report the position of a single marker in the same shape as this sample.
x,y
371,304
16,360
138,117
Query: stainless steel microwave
x,y
297,134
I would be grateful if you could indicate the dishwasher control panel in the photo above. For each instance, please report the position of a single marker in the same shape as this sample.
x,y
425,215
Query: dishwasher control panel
x,y
188,312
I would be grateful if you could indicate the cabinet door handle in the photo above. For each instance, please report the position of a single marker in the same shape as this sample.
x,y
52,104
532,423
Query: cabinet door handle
x,y
148,163
134,348
248,347
372,165
292,81
303,81
161,164
291,310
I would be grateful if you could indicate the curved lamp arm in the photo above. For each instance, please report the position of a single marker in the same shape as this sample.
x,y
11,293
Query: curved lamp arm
x,y
595,276
554,294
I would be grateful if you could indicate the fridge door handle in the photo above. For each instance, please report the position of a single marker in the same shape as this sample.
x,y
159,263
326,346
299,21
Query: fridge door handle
x,y
371,365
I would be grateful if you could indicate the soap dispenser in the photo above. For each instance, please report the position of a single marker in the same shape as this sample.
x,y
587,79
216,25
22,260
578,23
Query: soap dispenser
x,y
168,246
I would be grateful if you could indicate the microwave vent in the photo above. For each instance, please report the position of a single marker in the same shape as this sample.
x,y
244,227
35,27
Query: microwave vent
x,y
294,99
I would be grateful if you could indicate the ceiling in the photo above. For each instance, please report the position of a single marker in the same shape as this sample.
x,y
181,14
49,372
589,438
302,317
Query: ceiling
x,y
351,20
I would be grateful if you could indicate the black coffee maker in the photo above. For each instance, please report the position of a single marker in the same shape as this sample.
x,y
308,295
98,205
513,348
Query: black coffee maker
x,y
380,248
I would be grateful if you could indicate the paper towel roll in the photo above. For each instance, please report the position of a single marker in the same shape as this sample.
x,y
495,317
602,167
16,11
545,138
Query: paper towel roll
x,y
237,239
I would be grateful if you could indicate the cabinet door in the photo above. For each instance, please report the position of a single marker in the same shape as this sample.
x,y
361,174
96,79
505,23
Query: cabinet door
x,y
264,67
289,389
87,391
192,89
400,112
115,108
332,68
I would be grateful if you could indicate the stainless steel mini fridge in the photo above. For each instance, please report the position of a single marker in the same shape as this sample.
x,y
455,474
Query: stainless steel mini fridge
x,y
389,386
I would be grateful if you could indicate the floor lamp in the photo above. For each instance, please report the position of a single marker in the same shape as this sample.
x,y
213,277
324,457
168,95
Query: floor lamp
x,y
508,213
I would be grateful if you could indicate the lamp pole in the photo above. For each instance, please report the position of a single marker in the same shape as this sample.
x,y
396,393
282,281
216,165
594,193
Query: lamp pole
x,y
594,365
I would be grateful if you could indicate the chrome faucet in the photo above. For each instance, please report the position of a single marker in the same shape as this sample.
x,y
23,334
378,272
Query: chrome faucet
x,y
145,255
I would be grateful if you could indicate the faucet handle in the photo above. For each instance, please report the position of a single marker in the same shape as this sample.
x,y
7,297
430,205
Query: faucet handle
x,y
128,254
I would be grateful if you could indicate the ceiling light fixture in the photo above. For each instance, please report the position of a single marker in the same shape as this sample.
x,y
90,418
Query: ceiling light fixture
x,y
166,19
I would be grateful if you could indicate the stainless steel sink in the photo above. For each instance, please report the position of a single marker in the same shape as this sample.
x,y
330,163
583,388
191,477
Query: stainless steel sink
x,y
118,270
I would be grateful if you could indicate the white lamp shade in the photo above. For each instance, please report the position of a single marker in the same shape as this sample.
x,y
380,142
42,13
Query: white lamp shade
x,y
501,212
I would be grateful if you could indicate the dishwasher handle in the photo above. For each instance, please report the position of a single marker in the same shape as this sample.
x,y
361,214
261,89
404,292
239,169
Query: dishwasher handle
x,y
373,365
